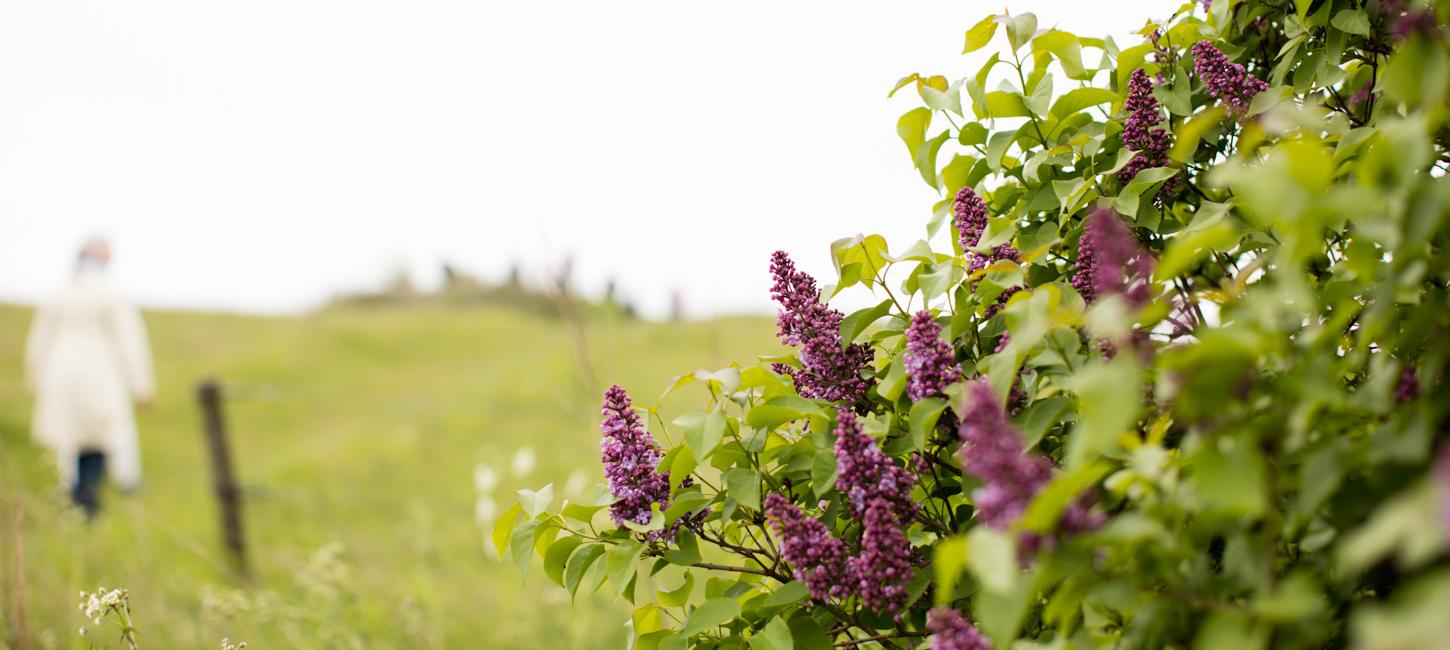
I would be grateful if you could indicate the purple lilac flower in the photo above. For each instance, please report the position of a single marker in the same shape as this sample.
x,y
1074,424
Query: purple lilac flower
x,y
864,474
1227,81
1407,21
951,631
992,451
630,456
969,215
977,262
930,364
1110,261
827,371
1409,387
884,565
1142,132
816,557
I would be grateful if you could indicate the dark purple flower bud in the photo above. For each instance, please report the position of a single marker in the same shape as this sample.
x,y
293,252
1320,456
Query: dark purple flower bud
x,y
930,363
1225,80
864,474
1409,387
630,456
951,631
969,215
816,557
1110,261
827,370
884,566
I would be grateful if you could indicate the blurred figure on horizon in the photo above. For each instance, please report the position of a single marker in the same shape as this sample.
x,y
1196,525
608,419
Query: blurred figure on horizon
x,y
87,362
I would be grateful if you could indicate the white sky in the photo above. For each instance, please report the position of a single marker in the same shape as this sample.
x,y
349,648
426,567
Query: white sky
x,y
264,155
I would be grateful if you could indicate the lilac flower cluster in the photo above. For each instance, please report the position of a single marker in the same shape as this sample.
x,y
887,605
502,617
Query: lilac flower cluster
x,y
884,566
630,456
992,451
1407,20
930,364
827,371
951,631
978,262
1141,130
1227,81
1110,261
969,215
865,474
817,557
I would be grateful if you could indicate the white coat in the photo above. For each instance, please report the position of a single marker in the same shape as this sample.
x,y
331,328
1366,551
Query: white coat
x,y
87,361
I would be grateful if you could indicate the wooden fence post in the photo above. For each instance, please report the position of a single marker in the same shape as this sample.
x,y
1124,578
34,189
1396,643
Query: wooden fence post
x,y
209,396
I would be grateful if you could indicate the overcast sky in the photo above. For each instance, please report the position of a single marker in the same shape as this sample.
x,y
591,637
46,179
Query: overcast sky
x,y
265,155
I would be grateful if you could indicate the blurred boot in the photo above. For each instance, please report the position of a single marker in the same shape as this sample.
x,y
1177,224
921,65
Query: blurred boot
x,y
90,470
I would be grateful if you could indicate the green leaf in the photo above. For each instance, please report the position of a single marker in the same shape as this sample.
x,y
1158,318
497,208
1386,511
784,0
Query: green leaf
x,y
711,613
1109,397
1068,50
679,596
1353,21
521,545
926,158
924,416
536,502
580,512
1188,249
579,564
788,594
808,634
1046,508
1041,416
774,636
620,563
1079,98
823,471
703,436
779,410
1001,103
743,484
1128,197
854,324
973,133
1229,474
503,530
1020,28
943,100
894,383
686,551
980,34
949,557
992,558
912,128
557,556
997,147
1000,614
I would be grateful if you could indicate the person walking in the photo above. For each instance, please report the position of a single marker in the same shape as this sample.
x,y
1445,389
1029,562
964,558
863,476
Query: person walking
x,y
87,363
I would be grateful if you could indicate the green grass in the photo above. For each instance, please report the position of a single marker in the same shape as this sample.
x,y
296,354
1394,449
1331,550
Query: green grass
x,y
355,433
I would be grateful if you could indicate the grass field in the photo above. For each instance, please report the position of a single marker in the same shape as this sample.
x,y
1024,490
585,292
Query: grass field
x,y
356,433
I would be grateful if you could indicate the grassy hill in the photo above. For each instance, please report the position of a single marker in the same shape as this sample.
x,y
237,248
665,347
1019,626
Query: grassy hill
x,y
356,433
